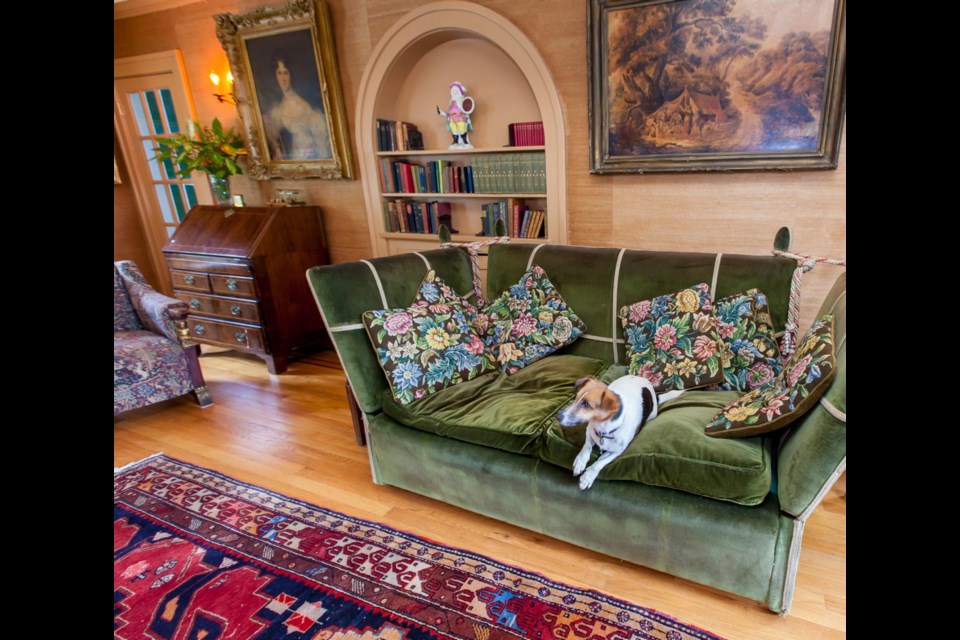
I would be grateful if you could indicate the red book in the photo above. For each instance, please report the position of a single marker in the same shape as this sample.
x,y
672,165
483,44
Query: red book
x,y
407,174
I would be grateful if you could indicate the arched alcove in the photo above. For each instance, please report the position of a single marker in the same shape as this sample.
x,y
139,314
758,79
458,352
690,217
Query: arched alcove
x,y
408,75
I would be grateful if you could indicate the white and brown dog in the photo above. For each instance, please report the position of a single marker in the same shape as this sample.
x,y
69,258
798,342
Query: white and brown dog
x,y
614,414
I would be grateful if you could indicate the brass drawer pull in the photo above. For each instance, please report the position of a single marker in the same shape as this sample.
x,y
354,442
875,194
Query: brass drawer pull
x,y
241,337
194,303
235,310
199,329
231,284
189,279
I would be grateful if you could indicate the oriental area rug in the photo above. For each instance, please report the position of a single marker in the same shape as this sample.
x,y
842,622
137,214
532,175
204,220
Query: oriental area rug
x,y
199,555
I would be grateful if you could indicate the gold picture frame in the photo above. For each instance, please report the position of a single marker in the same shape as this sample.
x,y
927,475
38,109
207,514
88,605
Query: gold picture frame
x,y
287,89
682,85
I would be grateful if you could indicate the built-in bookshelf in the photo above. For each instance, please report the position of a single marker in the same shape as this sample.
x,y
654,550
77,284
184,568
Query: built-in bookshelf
x,y
409,190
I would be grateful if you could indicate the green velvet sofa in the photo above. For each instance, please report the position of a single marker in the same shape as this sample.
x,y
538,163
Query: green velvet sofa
x,y
728,513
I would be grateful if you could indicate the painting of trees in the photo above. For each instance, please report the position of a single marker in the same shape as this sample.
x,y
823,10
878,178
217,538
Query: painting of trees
x,y
692,76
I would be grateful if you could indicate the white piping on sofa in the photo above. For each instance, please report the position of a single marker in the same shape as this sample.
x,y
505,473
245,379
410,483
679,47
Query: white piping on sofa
x,y
533,253
793,559
424,258
376,278
344,327
716,273
616,289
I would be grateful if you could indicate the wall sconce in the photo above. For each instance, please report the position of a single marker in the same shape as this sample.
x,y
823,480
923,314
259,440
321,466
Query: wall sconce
x,y
229,98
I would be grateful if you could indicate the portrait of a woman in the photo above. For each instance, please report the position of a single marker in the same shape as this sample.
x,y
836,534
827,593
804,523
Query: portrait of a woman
x,y
289,96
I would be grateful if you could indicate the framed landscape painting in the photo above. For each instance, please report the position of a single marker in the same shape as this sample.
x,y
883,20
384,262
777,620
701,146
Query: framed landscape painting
x,y
288,90
716,85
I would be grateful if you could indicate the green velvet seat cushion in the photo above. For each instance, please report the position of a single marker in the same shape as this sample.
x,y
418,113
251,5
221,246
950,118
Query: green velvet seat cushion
x,y
501,411
672,451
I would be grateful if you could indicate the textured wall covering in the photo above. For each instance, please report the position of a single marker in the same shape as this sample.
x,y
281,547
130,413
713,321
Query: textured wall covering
x,y
732,213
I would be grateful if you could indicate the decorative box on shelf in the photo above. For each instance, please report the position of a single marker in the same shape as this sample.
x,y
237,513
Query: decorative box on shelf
x,y
241,270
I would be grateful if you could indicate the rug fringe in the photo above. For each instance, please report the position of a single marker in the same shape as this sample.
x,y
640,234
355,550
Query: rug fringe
x,y
117,470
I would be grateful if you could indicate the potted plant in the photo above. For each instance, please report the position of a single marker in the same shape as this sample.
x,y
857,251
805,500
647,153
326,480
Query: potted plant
x,y
213,150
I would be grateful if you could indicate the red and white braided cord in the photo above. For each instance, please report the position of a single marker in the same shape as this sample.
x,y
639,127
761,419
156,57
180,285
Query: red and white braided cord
x,y
804,264
473,248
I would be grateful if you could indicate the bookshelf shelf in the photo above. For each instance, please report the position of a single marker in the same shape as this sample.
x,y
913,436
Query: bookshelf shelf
x,y
457,237
457,152
479,196
408,76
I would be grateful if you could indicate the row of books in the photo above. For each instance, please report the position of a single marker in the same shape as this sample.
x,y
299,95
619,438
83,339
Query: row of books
x,y
488,173
520,220
435,176
396,135
411,216
522,134
510,172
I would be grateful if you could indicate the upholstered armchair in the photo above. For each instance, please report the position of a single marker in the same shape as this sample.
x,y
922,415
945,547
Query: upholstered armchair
x,y
154,358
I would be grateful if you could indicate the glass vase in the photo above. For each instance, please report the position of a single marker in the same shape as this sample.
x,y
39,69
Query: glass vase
x,y
221,190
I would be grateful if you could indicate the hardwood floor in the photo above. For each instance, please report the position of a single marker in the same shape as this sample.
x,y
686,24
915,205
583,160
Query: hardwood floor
x,y
292,433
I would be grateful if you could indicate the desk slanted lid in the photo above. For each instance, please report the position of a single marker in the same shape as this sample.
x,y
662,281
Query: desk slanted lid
x,y
223,230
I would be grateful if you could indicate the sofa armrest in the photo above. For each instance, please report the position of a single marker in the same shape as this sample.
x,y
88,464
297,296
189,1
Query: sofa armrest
x,y
813,452
161,313
157,312
343,291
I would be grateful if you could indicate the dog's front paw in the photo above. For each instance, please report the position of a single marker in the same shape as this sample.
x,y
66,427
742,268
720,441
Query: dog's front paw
x,y
580,462
586,480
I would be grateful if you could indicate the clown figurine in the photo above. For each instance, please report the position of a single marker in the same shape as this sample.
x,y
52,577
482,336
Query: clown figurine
x,y
458,116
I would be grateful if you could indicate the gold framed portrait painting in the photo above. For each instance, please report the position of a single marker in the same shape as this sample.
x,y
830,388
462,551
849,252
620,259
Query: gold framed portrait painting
x,y
288,92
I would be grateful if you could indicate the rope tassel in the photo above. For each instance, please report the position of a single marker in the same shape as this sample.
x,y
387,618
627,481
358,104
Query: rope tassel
x,y
473,248
804,263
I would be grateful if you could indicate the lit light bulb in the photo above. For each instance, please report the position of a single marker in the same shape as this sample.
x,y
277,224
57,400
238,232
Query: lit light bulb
x,y
215,79
229,77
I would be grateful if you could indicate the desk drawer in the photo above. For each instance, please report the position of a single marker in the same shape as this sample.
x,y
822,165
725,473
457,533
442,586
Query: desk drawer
x,y
190,280
230,308
233,286
226,334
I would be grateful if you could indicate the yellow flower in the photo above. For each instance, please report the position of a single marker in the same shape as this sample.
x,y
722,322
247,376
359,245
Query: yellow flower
x,y
546,316
740,413
688,301
724,353
687,367
437,338
763,347
670,369
508,352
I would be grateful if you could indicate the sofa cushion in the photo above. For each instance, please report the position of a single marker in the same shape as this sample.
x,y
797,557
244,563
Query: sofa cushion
x,y
776,404
672,451
672,340
749,351
425,348
505,412
528,322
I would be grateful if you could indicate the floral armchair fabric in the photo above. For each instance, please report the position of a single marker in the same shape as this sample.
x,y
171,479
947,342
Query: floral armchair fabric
x,y
151,362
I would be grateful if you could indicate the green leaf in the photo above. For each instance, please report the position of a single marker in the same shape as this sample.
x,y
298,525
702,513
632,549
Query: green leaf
x,y
217,128
713,363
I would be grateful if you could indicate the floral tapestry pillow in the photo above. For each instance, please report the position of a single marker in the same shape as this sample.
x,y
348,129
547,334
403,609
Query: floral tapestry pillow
x,y
434,292
426,348
749,352
673,341
528,322
791,394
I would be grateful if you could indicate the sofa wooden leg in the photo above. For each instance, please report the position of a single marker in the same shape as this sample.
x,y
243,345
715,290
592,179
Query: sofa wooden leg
x,y
196,376
356,415
204,399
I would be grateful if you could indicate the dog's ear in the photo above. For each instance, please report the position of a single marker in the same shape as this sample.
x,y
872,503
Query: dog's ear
x,y
609,402
582,381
